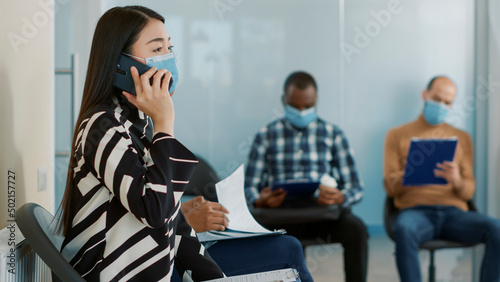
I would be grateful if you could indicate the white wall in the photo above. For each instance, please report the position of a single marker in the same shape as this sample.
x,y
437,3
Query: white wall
x,y
27,104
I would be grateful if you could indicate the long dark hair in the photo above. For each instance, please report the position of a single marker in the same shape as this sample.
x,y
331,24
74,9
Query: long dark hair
x,y
117,30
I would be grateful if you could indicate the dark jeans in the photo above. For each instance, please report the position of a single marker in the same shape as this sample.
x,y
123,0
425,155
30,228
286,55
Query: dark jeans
x,y
258,254
347,230
414,226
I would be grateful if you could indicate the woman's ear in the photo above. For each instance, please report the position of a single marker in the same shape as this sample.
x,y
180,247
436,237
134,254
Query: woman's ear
x,y
283,99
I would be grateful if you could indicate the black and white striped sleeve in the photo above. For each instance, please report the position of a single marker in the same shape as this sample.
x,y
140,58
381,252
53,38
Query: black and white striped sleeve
x,y
191,257
150,190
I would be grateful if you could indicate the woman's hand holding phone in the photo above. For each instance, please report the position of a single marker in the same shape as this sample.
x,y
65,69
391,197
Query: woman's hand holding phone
x,y
153,100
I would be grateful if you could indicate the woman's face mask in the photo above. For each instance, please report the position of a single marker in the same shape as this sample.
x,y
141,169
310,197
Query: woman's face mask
x,y
166,61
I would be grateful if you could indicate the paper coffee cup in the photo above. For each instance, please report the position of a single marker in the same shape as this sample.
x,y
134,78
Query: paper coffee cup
x,y
328,182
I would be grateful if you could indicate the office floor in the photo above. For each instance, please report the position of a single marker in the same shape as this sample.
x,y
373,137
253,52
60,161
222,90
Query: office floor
x,y
325,262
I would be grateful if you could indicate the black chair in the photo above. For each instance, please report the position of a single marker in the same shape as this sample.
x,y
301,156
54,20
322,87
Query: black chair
x,y
39,228
297,212
390,214
202,182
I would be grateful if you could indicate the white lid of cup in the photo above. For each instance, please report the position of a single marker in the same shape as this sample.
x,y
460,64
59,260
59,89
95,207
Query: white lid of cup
x,y
328,181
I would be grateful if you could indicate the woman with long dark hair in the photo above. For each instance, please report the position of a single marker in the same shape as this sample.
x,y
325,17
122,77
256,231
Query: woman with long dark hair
x,y
121,209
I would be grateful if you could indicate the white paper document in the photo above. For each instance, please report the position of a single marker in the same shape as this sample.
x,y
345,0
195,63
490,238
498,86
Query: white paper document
x,y
282,275
231,194
228,234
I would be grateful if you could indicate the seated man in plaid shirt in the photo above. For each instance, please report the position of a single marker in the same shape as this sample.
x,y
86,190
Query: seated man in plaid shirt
x,y
303,146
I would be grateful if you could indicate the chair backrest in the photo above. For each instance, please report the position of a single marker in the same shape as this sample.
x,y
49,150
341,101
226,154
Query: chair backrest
x,y
471,206
39,228
391,212
202,182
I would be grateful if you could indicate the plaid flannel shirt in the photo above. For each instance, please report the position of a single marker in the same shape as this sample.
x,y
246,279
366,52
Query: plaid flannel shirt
x,y
282,152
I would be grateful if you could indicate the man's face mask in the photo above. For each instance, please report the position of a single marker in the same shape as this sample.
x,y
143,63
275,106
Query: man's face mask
x,y
300,118
434,112
166,61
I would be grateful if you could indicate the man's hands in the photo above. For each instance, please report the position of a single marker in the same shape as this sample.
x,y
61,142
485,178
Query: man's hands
x,y
270,199
451,172
330,196
204,215
274,199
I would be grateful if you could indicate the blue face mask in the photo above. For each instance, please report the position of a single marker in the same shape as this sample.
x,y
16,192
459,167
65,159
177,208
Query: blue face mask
x,y
166,61
300,118
434,112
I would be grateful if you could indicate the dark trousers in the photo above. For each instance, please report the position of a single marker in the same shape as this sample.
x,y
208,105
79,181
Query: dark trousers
x,y
347,230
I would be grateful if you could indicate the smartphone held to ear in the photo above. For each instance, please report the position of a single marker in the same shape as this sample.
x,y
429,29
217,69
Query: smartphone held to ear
x,y
123,77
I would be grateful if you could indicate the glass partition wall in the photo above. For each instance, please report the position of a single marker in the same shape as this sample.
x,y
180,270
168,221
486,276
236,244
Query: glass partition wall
x,y
371,60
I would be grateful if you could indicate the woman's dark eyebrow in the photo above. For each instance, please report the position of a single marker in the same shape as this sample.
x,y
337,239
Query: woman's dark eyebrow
x,y
159,39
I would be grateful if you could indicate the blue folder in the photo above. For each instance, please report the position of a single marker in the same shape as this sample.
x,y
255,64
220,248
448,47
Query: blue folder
x,y
297,187
423,156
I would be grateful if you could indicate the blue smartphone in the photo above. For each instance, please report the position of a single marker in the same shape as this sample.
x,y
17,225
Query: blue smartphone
x,y
123,77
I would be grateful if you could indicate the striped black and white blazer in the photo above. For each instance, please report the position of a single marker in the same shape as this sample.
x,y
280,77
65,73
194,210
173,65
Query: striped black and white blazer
x,y
129,225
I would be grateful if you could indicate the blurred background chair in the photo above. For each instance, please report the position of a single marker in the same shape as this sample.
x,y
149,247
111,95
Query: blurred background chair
x,y
296,212
202,182
39,228
390,214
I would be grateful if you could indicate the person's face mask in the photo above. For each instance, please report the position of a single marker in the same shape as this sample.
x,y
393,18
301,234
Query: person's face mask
x,y
434,112
300,118
166,61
